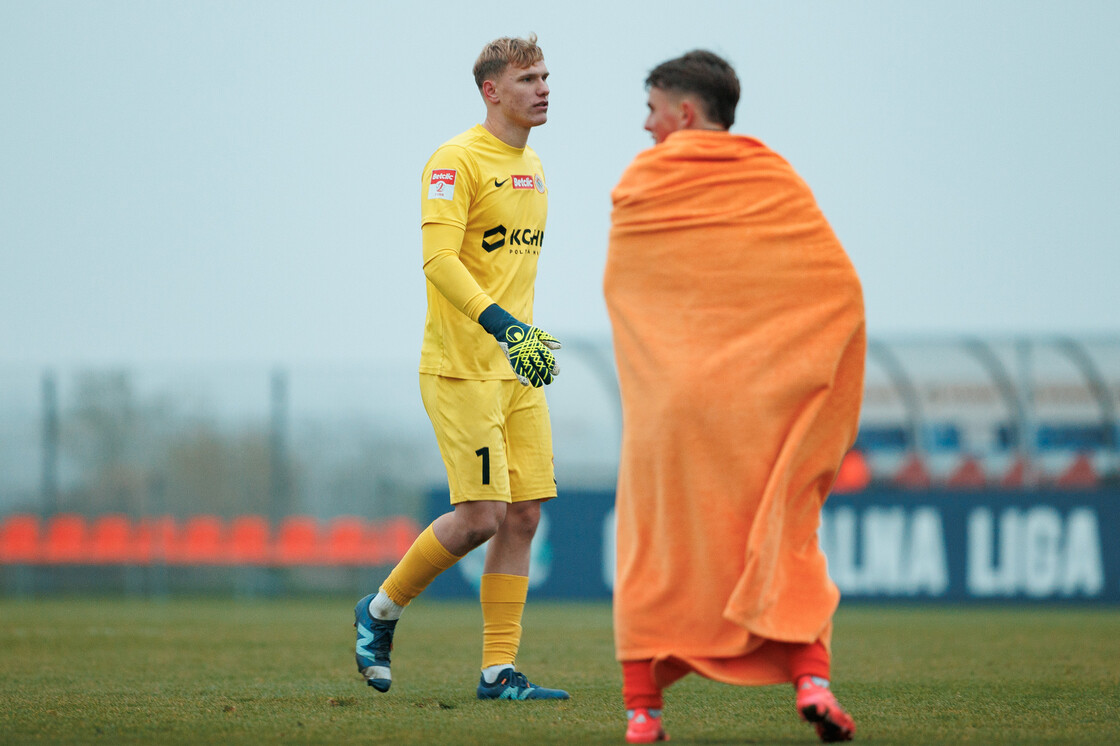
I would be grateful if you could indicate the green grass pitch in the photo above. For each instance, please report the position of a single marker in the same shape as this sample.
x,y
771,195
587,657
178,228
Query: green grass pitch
x,y
253,671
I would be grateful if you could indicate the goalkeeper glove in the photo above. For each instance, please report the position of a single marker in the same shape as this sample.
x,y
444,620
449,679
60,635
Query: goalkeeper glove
x,y
528,349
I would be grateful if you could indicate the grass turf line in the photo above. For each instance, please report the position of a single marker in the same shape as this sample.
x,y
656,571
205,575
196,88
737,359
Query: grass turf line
x,y
78,670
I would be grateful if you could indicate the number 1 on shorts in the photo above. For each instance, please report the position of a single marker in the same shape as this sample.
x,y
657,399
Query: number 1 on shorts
x,y
484,452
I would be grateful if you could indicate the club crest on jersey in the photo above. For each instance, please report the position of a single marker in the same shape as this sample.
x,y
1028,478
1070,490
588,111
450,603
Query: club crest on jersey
x,y
442,185
538,181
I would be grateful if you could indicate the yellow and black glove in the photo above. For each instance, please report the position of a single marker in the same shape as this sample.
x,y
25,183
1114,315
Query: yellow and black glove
x,y
528,349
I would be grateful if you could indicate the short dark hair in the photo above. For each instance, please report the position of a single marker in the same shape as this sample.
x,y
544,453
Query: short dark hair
x,y
706,75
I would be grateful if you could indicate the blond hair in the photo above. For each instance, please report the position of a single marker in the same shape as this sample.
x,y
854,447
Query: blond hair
x,y
501,53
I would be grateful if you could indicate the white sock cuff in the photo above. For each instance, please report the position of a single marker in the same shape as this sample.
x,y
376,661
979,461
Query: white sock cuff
x,y
490,673
384,608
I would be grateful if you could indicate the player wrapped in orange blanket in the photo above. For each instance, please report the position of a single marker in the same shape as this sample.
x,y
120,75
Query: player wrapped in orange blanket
x,y
739,335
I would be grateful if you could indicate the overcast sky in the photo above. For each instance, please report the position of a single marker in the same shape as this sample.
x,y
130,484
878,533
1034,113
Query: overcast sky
x,y
239,181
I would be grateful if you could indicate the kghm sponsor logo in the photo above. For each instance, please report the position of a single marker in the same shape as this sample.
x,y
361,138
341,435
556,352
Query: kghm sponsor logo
x,y
526,237
523,182
500,236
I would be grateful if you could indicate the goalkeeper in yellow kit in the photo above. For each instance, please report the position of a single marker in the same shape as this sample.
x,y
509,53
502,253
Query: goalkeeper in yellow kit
x,y
482,365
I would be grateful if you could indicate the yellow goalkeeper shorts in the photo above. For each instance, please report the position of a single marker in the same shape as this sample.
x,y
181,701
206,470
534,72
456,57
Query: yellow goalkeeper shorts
x,y
495,438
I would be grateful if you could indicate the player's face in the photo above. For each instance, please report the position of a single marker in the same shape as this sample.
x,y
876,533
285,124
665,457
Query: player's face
x,y
523,94
665,114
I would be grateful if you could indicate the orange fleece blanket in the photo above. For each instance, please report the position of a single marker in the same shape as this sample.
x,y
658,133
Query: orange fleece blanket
x,y
739,335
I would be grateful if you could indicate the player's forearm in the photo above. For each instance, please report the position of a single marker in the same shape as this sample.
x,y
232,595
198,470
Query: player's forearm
x,y
447,273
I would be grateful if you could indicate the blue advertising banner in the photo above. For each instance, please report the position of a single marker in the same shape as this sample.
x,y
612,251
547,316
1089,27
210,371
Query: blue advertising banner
x,y
983,546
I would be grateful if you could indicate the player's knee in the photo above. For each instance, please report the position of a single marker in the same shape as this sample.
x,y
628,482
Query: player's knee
x,y
522,519
477,533
479,521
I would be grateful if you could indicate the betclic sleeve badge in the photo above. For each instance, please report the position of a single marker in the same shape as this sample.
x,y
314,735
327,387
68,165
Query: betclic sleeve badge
x,y
442,184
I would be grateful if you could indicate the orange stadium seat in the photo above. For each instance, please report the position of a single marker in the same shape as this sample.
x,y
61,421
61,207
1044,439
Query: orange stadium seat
x,y
1017,474
110,540
298,541
913,475
249,537
19,539
396,536
65,540
202,541
854,474
1079,474
381,548
968,475
156,540
348,541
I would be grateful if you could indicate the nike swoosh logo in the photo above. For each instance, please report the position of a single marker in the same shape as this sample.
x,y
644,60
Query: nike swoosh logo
x,y
499,183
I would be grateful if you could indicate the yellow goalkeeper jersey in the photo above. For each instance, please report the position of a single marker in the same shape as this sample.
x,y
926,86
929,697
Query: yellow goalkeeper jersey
x,y
496,195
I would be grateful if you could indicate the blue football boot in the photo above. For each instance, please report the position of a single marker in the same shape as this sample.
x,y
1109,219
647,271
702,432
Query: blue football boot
x,y
375,640
512,684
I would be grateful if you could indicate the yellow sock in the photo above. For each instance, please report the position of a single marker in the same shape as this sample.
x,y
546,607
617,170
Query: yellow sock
x,y
503,601
419,566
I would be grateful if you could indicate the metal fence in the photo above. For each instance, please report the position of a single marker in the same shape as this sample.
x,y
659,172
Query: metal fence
x,y
982,413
